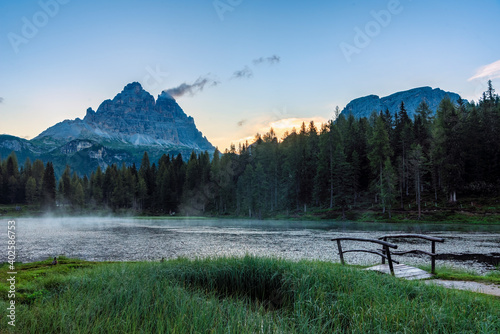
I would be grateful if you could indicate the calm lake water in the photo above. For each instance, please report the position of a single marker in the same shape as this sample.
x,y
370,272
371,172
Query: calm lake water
x,y
126,239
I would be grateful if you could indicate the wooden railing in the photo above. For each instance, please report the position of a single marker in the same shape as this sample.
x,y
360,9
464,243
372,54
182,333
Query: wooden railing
x,y
432,254
385,252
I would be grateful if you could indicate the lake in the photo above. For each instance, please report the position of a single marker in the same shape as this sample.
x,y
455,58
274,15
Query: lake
x,y
128,239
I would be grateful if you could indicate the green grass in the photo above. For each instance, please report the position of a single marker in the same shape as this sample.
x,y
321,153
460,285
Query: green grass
x,y
34,280
454,274
236,295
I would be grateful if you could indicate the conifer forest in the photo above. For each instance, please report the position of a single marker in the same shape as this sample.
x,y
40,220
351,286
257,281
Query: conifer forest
x,y
384,162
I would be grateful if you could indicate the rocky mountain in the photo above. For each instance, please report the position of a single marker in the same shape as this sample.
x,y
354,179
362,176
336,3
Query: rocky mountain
x,y
364,106
121,130
132,117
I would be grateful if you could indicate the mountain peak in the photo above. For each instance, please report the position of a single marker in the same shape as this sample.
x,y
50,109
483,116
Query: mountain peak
x,y
133,117
133,86
165,95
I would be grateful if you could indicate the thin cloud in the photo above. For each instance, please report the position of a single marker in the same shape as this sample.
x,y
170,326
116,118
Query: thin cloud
x,y
244,73
193,88
274,59
491,71
1,99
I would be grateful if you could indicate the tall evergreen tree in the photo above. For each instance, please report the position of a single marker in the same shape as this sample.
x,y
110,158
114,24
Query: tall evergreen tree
x,y
49,186
380,151
417,162
447,149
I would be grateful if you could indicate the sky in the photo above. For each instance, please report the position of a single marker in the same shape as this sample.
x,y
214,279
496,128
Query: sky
x,y
238,67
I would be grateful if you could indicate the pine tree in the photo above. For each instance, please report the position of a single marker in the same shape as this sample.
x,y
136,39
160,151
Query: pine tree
x,y
380,151
417,163
260,186
38,170
49,186
65,189
447,149
403,137
342,175
323,182
30,190
246,190
12,178
78,195
96,182
388,187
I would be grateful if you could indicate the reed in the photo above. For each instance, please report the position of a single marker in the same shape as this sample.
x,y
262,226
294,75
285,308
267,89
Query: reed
x,y
246,295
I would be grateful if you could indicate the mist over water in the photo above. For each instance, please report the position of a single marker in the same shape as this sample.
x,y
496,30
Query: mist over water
x,y
128,239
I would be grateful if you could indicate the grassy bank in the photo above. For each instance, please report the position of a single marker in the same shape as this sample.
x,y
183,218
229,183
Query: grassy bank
x,y
248,295
454,274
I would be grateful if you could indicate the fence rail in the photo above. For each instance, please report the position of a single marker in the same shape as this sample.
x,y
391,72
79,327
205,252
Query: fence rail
x,y
432,253
385,253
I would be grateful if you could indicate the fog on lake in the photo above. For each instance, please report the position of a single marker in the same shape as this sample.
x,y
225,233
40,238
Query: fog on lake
x,y
128,239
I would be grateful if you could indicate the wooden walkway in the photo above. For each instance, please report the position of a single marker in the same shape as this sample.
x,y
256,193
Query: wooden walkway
x,y
402,271
394,267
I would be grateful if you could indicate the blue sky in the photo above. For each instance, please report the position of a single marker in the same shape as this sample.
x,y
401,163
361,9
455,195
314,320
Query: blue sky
x,y
296,60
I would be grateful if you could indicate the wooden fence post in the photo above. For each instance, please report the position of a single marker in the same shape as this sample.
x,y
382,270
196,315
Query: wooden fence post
x,y
433,258
389,259
340,252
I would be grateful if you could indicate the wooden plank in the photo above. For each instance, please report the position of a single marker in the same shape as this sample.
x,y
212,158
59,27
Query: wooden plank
x,y
402,271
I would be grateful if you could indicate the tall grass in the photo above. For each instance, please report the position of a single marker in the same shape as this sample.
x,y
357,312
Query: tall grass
x,y
248,295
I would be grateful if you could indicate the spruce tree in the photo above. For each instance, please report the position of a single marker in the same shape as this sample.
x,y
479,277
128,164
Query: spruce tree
x,y
49,186
380,151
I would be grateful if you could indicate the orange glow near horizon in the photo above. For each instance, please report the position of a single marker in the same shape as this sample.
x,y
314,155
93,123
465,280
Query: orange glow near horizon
x,y
280,128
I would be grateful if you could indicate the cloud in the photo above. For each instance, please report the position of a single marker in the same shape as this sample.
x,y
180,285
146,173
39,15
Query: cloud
x,y
1,99
274,59
193,88
490,71
244,73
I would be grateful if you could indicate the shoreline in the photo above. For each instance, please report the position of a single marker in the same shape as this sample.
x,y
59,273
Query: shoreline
x,y
495,219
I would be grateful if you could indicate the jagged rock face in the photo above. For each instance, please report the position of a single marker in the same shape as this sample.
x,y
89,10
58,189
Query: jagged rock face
x,y
76,146
134,117
364,106
10,143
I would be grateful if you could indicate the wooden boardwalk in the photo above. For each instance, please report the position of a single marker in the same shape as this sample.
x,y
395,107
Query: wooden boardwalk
x,y
402,271
394,267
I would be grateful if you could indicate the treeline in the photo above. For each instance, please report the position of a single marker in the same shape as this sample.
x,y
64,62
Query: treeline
x,y
382,160
33,183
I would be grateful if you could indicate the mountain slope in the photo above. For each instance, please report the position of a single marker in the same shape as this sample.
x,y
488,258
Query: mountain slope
x,y
364,106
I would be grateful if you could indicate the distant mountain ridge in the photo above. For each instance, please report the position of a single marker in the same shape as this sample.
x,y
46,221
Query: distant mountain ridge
x,y
120,131
364,106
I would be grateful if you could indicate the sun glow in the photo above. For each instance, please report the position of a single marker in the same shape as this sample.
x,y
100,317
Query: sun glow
x,y
280,127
